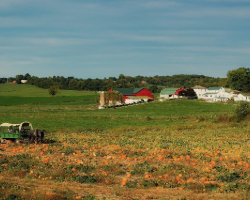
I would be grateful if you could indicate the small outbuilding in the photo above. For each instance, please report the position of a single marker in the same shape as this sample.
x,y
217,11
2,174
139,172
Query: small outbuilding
x,y
170,93
134,95
24,81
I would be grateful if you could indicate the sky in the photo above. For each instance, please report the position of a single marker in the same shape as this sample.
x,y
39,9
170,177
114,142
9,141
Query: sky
x,y
106,38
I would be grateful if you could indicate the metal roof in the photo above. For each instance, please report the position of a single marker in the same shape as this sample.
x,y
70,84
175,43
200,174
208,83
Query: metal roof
x,y
221,97
168,91
128,91
214,88
23,124
207,93
198,87
246,94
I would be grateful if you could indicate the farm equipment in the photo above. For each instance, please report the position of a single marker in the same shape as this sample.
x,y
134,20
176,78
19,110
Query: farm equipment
x,y
20,132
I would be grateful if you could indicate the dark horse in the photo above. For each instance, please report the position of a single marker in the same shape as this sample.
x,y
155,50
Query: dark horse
x,y
41,134
36,135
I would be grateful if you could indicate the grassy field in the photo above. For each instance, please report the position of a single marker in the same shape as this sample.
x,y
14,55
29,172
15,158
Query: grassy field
x,y
77,110
183,149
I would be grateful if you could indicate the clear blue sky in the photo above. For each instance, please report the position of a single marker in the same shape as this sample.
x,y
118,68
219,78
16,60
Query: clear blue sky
x,y
104,38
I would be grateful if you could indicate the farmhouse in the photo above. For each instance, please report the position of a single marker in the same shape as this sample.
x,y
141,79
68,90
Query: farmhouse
x,y
134,95
217,94
170,93
199,90
242,97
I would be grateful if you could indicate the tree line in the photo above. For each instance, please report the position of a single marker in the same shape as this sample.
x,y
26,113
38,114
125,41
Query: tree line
x,y
238,79
155,83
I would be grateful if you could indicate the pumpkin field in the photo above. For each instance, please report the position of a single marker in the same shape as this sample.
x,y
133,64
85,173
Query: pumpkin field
x,y
183,149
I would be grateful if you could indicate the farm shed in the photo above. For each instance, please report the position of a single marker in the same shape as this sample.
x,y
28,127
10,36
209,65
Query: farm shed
x,y
170,93
134,95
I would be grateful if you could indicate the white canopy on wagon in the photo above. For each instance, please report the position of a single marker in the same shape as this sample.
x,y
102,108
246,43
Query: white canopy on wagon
x,y
20,126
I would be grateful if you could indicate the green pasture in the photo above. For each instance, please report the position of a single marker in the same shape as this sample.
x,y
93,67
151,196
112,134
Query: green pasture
x,y
14,100
77,111
23,94
24,90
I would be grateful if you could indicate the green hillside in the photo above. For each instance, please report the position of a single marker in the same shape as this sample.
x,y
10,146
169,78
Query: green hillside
x,y
25,90
19,94
77,110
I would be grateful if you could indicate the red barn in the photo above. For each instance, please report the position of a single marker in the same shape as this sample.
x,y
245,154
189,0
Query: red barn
x,y
179,90
135,93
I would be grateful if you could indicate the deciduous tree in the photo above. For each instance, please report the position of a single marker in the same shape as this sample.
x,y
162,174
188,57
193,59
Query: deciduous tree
x,y
153,88
239,79
113,96
53,90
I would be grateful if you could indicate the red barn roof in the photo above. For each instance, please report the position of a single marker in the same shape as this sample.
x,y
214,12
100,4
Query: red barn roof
x,y
139,93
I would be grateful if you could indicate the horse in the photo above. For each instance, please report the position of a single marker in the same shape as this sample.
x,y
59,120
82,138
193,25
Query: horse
x,y
36,135
32,135
40,135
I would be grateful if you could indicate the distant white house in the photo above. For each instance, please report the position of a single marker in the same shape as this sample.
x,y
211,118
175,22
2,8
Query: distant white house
x,y
211,94
242,97
199,90
217,94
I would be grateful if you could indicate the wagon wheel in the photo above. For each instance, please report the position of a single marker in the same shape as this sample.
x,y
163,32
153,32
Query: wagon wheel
x,y
37,139
31,139
18,141
2,140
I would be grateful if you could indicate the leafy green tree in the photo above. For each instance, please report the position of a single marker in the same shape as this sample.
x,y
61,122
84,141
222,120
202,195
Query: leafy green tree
x,y
182,93
136,84
53,90
190,93
26,76
73,84
113,96
19,78
153,88
242,110
121,76
239,79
